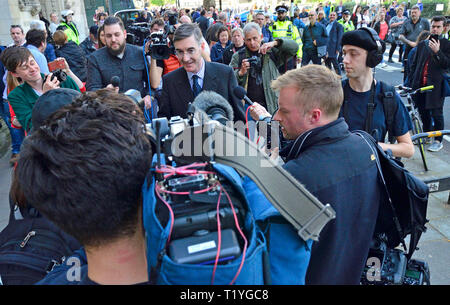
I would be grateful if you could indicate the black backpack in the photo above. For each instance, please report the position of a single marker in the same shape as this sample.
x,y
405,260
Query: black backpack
x,y
404,208
30,248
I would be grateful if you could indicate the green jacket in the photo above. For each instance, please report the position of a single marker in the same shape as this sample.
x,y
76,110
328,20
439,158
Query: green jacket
x,y
270,72
23,98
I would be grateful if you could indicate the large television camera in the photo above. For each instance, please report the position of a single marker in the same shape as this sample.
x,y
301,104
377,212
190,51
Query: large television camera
x,y
159,45
137,33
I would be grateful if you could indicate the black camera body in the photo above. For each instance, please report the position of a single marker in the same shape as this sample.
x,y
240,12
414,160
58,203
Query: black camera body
x,y
254,61
387,266
159,47
137,33
60,75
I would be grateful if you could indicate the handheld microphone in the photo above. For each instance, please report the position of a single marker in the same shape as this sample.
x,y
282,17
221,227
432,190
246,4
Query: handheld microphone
x,y
242,94
115,80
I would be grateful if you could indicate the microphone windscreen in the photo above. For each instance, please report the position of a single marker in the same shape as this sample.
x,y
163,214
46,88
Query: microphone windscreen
x,y
211,102
115,80
239,92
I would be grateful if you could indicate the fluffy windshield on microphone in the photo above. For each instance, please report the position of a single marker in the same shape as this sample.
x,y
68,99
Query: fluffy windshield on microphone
x,y
211,102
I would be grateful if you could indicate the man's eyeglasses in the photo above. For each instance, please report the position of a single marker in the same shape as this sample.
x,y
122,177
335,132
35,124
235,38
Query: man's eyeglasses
x,y
181,54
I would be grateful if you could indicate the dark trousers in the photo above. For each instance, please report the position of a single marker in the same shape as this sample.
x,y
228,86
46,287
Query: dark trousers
x,y
432,119
407,49
333,61
392,50
310,55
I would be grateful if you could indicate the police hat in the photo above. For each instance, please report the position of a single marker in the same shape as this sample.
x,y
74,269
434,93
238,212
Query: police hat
x,y
346,12
281,9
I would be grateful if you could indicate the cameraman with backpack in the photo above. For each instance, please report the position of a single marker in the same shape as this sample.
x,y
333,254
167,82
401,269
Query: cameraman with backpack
x,y
371,105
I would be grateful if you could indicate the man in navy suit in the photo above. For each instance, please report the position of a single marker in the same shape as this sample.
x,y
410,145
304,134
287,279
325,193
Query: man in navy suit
x,y
335,31
180,87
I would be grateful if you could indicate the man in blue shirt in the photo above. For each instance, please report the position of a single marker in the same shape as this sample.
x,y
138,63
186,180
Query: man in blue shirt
x,y
314,35
36,43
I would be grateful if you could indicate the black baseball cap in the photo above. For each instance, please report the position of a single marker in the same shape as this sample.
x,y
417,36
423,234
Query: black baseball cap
x,y
49,102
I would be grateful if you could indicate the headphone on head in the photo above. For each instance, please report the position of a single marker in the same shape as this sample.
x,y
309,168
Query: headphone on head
x,y
374,57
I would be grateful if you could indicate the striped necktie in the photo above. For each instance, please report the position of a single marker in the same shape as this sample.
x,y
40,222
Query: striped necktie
x,y
195,86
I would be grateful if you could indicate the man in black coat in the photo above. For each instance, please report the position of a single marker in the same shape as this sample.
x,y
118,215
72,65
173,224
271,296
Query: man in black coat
x,y
334,164
429,62
181,86
75,57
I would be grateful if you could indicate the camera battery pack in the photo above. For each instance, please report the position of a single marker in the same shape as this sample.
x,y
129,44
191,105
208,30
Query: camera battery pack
x,y
202,248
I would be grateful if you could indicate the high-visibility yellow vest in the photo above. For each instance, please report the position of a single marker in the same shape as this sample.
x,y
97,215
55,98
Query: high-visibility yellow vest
x,y
286,29
71,34
348,26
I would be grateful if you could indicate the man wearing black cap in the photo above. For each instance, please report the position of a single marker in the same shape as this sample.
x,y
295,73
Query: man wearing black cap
x,y
284,28
363,50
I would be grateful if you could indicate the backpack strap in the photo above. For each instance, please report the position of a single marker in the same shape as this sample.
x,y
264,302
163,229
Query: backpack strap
x,y
370,109
390,108
375,148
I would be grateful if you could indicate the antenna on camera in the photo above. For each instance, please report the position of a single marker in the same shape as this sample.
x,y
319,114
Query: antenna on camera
x,y
158,141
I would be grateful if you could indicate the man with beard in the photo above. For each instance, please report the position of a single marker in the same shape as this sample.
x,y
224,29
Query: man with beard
x,y
117,59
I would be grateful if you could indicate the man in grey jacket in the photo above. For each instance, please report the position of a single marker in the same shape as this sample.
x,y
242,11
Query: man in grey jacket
x,y
119,59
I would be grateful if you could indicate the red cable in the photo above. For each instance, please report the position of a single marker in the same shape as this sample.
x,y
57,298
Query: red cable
x,y
172,217
219,238
240,231
246,121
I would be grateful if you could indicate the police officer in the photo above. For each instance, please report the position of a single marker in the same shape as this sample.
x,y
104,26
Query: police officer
x,y
348,26
68,27
346,22
284,28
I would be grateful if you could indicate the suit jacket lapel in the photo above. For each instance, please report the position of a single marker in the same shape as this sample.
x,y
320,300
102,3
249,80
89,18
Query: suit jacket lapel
x,y
209,80
183,88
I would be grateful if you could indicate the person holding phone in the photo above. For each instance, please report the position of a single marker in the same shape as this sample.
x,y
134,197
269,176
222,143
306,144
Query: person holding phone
x,y
431,60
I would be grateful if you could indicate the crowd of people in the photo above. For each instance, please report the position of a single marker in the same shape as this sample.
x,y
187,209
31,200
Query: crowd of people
x,y
290,66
